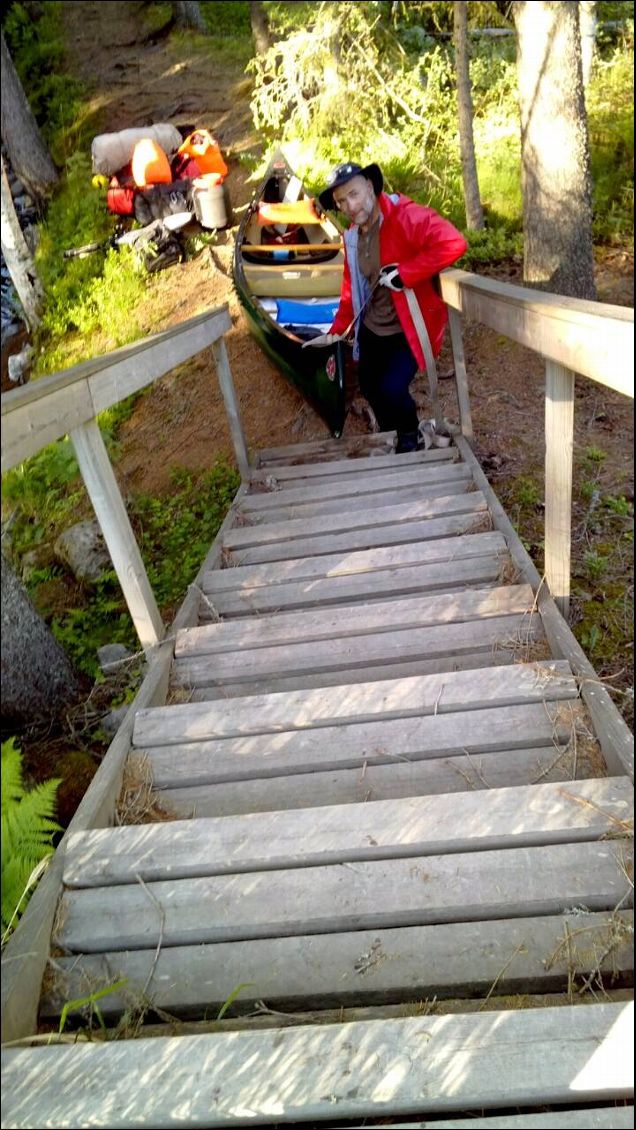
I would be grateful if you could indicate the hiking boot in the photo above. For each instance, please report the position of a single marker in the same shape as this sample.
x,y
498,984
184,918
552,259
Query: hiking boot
x,y
406,441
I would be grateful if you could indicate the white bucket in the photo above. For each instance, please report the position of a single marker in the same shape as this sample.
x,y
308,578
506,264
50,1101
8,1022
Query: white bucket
x,y
210,203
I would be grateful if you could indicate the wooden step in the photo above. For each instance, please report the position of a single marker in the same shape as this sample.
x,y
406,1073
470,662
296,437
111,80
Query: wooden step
x,y
450,576
370,783
343,653
290,530
319,624
474,518
355,490
339,897
284,476
355,563
375,1068
281,511
215,689
389,829
401,699
234,757
367,966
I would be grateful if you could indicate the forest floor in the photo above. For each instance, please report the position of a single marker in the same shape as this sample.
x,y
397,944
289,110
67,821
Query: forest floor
x,y
181,421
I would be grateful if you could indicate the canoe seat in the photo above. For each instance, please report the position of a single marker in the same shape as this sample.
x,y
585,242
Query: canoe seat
x,y
296,280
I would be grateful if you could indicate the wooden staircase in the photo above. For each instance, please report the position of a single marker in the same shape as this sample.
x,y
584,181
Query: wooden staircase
x,y
372,813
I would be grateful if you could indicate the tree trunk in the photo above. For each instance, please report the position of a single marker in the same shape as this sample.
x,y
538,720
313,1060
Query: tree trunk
x,y
29,157
260,26
188,14
587,20
37,678
555,156
472,201
18,257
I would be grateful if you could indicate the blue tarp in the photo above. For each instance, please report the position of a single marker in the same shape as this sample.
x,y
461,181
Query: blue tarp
x,y
306,313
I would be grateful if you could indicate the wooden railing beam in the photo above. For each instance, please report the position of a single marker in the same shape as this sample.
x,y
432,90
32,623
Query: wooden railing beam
x,y
109,507
559,450
590,338
461,379
228,392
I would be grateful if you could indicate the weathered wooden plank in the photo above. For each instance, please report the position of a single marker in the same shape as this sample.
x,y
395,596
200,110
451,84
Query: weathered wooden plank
x,y
305,511
375,585
324,624
559,447
399,670
228,392
346,652
349,491
461,379
368,1068
367,537
385,1067
420,826
354,745
364,561
369,783
108,504
358,519
463,887
45,410
395,698
578,1118
343,469
596,340
522,955
373,444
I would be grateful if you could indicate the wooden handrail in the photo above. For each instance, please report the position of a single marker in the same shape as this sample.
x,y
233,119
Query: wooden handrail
x,y
590,338
574,336
68,402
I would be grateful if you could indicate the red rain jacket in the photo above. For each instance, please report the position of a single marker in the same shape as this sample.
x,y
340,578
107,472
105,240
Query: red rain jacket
x,y
422,243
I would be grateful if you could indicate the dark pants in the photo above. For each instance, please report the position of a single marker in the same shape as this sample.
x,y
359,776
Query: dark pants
x,y
386,370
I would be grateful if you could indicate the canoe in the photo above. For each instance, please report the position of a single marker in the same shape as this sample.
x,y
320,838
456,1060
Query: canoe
x,y
287,266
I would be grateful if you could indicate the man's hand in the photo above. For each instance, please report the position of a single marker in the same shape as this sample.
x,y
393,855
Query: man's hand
x,y
390,277
323,339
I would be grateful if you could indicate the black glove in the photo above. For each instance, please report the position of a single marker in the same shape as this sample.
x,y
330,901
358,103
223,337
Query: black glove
x,y
390,277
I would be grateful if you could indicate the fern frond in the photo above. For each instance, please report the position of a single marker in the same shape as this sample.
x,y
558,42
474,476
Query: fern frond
x,y
28,828
12,785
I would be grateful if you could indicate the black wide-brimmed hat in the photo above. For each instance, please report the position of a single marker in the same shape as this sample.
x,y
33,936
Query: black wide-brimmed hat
x,y
345,172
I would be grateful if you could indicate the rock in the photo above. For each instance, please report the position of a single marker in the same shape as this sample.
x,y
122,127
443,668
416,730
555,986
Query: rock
x,y
31,235
110,656
111,722
18,365
17,187
83,549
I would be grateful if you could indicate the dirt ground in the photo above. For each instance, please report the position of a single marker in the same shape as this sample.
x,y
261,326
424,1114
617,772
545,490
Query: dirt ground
x,y
181,420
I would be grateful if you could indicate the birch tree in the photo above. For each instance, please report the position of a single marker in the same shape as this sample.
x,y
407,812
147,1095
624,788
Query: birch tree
x,y
555,155
472,200
587,21
18,257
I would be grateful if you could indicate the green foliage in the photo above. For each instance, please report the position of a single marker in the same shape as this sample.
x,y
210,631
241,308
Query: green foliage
x,y
88,1005
610,105
175,532
37,50
595,563
27,832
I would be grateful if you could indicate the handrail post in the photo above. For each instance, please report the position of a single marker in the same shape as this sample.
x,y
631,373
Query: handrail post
x,y
559,448
461,379
228,391
108,504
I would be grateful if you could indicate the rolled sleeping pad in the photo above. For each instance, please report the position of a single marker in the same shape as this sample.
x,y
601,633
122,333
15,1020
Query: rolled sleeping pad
x,y
111,151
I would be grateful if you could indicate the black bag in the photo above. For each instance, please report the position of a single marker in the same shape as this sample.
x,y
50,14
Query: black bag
x,y
160,200
163,250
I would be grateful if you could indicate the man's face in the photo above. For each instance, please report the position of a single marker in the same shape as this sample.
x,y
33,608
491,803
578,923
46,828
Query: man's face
x,y
356,199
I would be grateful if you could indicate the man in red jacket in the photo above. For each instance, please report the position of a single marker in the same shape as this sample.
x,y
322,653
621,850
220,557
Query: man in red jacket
x,y
392,243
